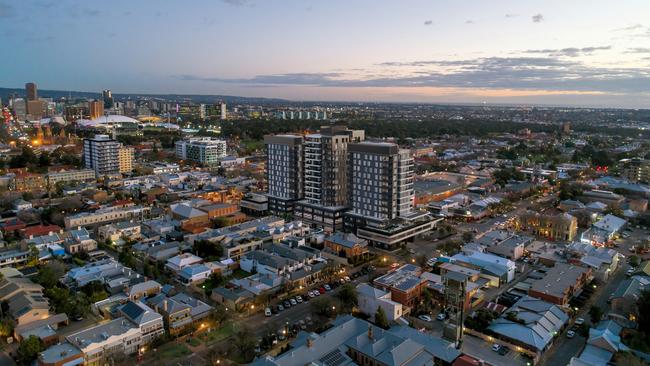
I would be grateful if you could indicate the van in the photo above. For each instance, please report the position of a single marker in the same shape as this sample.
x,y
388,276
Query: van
x,y
267,312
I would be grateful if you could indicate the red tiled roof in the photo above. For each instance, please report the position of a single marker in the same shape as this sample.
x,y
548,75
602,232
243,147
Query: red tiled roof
x,y
39,230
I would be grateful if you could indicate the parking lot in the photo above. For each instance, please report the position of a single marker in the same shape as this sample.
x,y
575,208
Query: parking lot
x,y
482,350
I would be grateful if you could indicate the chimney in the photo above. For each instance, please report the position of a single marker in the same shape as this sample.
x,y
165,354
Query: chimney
x,y
369,331
310,342
165,305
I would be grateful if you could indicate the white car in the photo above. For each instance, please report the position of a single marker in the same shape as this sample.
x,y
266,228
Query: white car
x,y
316,293
425,318
293,302
496,347
267,312
441,316
327,288
570,334
579,321
299,299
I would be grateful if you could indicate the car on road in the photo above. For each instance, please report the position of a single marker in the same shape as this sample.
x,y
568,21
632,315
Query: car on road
x,y
411,250
496,347
327,288
293,302
579,321
570,334
425,318
299,299
267,312
441,316
503,351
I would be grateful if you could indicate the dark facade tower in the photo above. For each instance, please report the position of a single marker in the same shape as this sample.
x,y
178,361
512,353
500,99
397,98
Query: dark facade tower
x,y
32,91
455,305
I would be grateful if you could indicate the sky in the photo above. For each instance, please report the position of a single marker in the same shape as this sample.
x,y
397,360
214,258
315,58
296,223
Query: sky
x,y
577,52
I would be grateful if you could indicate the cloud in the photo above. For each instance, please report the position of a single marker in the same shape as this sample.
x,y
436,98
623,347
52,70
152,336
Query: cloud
x,y
537,18
6,10
91,12
517,73
629,28
428,22
469,21
638,50
236,2
570,51
511,15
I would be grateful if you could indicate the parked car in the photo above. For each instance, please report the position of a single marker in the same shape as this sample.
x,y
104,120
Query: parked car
x,y
503,351
579,321
441,316
280,307
311,294
267,312
425,318
496,347
570,334
321,290
293,302
347,278
299,299
316,293
286,304
327,288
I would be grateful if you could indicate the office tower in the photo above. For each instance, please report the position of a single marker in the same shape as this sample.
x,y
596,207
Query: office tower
x,y
31,91
380,181
19,106
326,176
107,97
96,109
223,111
125,158
456,302
101,153
204,150
284,171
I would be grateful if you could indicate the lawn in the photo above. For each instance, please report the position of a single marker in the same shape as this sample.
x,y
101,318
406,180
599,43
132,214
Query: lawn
x,y
193,342
220,334
172,350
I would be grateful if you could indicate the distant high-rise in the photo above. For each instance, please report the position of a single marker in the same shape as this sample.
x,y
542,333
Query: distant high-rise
x,y
223,111
204,150
101,153
125,156
32,91
107,96
284,171
96,109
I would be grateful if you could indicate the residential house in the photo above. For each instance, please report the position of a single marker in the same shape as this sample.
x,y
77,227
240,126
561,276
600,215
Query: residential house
x,y
370,299
346,245
560,283
150,323
98,343
404,284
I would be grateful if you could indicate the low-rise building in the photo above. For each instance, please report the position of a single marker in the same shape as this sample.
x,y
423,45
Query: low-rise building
x,y
603,231
62,354
150,323
560,283
179,262
346,245
107,215
177,315
116,337
370,299
493,265
404,284
561,227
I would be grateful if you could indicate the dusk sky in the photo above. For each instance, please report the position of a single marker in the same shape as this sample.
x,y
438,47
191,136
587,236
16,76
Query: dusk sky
x,y
592,52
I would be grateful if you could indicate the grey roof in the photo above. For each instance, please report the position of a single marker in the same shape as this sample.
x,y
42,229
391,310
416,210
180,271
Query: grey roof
x,y
59,352
393,347
541,322
347,240
199,308
100,332
364,289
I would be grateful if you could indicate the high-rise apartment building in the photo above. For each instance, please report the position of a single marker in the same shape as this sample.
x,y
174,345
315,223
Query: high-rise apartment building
x,y
223,109
107,97
125,157
380,181
284,171
31,91
326,175
204,150
96,109
101,153
36,109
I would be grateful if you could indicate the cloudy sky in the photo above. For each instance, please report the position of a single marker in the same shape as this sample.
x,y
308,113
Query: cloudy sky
x,y
591,52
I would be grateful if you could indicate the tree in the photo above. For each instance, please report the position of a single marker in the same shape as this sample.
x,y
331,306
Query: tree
x,y
322,306
28,350
219,315
380,318
468,236
348,296
6,328
244,342
422,260
634,260
48,275
208,250
614,210
596,313
643,310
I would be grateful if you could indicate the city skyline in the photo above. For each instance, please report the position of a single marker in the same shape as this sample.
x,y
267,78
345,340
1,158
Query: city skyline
x,y
582,53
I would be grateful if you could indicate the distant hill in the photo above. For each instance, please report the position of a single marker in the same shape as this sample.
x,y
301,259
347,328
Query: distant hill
x,y
196,98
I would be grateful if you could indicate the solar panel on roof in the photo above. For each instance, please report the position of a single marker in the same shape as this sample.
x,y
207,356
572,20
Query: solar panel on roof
x,y
334,358
132,310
